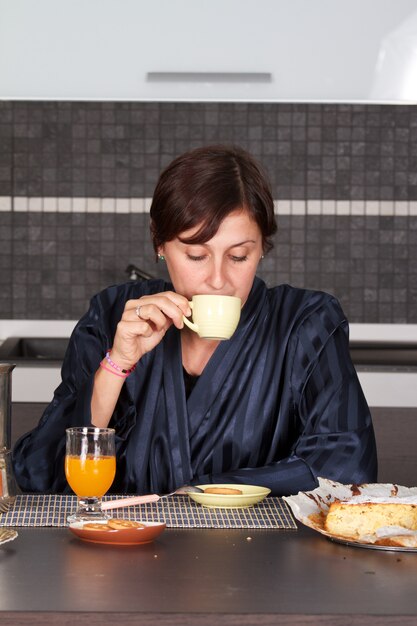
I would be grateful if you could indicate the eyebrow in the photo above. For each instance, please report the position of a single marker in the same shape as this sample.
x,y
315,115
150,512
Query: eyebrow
x,y
242,243
234,245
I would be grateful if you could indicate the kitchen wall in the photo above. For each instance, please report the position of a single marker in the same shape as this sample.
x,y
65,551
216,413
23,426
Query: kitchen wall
x,y
76,180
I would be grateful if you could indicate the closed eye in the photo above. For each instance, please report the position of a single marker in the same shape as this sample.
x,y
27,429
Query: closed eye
x,y
233,258
239,259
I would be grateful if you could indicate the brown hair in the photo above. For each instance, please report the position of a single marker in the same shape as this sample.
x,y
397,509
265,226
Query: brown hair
x,y
201,187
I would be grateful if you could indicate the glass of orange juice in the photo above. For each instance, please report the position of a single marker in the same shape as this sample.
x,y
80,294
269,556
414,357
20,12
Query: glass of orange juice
x,y
90,467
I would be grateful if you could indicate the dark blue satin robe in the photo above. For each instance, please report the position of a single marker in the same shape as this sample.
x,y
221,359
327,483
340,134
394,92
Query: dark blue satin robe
x,y
277,405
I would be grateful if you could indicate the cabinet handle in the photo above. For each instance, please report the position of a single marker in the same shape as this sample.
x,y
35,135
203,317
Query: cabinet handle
x,y
215,77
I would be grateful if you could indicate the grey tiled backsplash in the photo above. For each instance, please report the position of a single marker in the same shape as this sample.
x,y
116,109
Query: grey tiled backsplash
x,y
52,262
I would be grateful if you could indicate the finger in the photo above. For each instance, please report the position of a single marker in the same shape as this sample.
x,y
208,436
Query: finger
x,y
153,315
180,301
127,330
166,301
149,306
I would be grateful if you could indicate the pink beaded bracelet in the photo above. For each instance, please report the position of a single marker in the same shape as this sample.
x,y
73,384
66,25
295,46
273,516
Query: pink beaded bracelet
x,y
112,371
117,367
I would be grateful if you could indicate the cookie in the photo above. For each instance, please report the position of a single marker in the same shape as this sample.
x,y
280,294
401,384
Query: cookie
x,y
225,491
96,526
122,524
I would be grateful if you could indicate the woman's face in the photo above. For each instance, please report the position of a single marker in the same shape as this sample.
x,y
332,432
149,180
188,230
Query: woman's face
x,y
224,265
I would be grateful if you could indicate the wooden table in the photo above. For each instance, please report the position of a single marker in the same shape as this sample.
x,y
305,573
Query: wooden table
x,y
209,577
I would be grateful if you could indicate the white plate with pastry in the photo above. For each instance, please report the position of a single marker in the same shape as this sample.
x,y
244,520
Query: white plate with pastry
x,y
229,496
381,516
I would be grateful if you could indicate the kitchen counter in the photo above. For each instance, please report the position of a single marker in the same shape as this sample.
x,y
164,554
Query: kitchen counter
x,y
36,381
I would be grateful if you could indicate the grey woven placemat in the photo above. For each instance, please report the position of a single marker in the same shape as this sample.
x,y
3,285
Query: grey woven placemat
x,y
176,512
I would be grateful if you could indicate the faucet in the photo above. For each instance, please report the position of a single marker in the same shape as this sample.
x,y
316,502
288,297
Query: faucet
x,y
135,273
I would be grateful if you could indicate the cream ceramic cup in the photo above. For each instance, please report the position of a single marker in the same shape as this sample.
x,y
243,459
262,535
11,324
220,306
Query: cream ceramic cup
x,y
214,317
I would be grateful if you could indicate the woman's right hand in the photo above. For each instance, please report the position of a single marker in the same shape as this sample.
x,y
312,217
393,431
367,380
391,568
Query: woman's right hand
x,y
137,335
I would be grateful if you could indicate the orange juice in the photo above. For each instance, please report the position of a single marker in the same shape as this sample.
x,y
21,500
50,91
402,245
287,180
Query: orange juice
x,y
90,476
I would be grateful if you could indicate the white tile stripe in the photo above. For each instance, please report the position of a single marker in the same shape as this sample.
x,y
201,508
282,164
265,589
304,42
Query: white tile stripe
x,y
142,205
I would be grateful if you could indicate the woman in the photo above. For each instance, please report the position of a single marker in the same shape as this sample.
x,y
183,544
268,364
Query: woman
x,y
276,405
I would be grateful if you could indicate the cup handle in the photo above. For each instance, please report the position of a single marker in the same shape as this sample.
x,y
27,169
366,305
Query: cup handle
x,y
187,322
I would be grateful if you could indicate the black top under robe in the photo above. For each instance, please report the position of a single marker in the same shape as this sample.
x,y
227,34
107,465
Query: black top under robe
x,y
189,382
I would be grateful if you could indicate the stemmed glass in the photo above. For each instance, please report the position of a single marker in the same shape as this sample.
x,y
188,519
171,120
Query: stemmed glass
x,y
90,467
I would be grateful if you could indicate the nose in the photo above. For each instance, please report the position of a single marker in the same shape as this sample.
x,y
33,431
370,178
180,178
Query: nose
x,y
217,277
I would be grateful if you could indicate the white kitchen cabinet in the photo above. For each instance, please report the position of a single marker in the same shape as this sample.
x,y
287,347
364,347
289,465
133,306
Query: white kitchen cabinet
x,y
209,50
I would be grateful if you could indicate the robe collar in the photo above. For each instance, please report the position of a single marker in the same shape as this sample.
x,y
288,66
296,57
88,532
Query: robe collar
x,y
219,366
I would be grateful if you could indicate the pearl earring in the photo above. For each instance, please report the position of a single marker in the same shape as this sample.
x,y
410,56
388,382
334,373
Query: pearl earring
x,y
161,257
